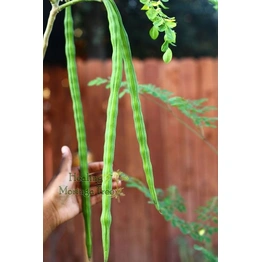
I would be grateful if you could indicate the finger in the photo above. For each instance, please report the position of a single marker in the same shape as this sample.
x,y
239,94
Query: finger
x,y
66,162
95,190
96,199
96,179
95,167
75,171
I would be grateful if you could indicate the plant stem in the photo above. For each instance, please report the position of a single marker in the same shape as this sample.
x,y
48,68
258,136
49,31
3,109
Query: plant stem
x,y
51,19
63,6
192,130
184,123
52,16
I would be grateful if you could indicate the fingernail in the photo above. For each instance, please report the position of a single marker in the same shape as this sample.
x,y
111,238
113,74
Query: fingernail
x,y
64,150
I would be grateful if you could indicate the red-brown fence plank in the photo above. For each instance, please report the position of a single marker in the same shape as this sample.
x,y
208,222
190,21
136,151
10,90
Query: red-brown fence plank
x,y
169,80
153,113
208,89
188,83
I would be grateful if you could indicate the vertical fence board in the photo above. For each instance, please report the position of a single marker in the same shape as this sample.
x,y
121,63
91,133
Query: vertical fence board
x,y
169,80
153,113
188,83
207,87
139,210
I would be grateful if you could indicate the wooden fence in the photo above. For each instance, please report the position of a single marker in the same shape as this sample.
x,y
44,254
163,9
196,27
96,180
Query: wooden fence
x,y
138,232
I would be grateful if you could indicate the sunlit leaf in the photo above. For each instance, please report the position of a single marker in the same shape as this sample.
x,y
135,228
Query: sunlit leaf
x,y
98,81
151,13
154,32
167,56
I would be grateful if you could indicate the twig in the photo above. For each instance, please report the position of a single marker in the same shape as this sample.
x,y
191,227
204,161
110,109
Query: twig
x,y
51,19
52,16
63,6
167,107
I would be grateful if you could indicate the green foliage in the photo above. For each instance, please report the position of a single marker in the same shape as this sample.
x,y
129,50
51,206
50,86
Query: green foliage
x,y
214,3
186,251
206,253
172,204
98,81
193,109
167,56
196,30
189,253
161,23
209,212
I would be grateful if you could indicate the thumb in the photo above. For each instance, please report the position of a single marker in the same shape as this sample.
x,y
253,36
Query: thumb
x,y
66,163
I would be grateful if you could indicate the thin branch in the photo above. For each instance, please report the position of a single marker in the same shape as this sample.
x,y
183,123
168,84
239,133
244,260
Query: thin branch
x,y
52,16
63,6
167,107
49,27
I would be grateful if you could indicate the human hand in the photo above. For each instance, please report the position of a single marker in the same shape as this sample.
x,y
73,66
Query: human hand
x,y
63,198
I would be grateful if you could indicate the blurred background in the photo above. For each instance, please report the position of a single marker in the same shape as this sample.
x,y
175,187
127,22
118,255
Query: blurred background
x,y
179,156
197,30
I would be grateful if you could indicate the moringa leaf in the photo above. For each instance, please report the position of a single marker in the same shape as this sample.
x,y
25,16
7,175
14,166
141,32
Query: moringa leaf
x,y
96,82
167,56
154,32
